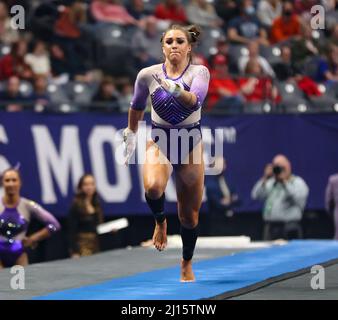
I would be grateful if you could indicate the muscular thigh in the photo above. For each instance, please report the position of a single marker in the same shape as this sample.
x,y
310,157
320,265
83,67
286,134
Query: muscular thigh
x,y
190,181
156,169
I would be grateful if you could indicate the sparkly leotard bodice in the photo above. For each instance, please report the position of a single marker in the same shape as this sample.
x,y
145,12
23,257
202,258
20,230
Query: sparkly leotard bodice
x,y
167,110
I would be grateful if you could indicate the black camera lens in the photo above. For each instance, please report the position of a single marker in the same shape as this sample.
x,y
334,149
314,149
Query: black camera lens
x,y
277,170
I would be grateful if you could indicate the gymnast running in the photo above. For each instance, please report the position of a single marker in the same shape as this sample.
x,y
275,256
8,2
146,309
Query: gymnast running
x,y
177,89
15,215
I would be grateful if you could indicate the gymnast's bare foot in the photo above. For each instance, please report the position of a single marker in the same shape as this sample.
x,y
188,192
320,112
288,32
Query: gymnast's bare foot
x,y
187,275
160,235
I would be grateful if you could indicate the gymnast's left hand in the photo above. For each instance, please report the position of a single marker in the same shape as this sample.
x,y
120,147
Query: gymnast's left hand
x,y
129,141
169,86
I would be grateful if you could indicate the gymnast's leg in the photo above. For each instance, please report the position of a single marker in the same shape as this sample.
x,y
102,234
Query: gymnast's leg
x,y
189,185
22,260
155,178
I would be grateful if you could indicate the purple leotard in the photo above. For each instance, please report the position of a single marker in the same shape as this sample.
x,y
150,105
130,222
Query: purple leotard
x,y
14,224
167,112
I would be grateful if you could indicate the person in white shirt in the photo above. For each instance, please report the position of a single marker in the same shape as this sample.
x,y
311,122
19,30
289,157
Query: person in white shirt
x,y
253,48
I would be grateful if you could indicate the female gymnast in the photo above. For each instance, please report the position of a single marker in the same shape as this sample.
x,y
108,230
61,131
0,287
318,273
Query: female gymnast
x,y
15,215
177,89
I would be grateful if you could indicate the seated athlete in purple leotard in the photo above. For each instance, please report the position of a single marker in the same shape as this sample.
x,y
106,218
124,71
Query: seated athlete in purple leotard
x,y
177,89
15,214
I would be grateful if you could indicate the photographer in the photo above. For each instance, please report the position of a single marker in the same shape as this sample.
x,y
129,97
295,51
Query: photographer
x,y
285,197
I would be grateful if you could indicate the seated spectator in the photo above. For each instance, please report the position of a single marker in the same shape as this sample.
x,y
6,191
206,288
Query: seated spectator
x,y
70,17
328,67
224,93
137,10
12,98
107,95
203,13
147,41
111,11
284,195
246,26
223,49
304,46
8,35
286,69
285,26
171,11
253,48
59,63
255,86
126,96
40,95
13,64
226,10
268,11
38,60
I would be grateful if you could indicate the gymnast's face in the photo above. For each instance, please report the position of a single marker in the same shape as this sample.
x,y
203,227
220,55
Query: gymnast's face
x,y
11,183
88,186
176,47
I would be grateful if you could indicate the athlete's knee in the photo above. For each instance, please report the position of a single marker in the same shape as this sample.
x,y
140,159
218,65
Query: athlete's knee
x,y
154,190
189,221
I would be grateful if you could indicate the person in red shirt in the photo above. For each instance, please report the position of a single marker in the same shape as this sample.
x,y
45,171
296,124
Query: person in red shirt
x,y
286,26
13,64
255,86
224,92
171,10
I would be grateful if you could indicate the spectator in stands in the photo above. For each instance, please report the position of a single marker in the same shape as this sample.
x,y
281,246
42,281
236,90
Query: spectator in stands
x,y
59,63
331,200
13,64
84,216
328,68
226,10
286,69
107,95
221,196
224,93
268,11
126,96
171,11
285,196
285,26
203,13
304,46
111,11
40,95
137,10
39,60
223,49
12,98
70,18
255,86
8,35
246,26
146,41
253,48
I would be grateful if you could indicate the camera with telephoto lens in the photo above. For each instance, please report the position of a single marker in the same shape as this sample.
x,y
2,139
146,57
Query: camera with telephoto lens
x,y
277,170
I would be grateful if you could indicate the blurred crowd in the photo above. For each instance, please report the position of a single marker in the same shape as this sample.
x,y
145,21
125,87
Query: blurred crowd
x,y
263,55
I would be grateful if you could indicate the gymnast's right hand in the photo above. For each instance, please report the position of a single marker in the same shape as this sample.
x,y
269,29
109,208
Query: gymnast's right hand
x,y
129,141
